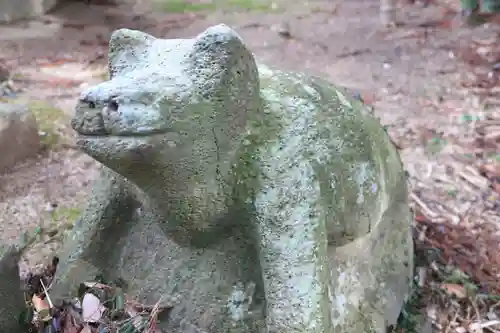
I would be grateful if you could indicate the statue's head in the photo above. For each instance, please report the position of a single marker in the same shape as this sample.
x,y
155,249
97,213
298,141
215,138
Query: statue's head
x,y
178,103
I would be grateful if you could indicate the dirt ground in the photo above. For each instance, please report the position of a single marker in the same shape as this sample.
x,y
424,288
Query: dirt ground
x,y
412,75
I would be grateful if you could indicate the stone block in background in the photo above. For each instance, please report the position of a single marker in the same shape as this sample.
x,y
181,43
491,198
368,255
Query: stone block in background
x,y
19,137
13,10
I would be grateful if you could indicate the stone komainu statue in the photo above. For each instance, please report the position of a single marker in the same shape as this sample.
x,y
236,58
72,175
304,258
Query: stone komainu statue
x,y
263,200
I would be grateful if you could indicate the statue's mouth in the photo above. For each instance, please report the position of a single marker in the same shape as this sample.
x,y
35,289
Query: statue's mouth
x,y
118,148
103,135
94,128
97,141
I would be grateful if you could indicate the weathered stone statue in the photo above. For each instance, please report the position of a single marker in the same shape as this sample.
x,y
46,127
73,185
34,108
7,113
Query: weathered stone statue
x,y
264,201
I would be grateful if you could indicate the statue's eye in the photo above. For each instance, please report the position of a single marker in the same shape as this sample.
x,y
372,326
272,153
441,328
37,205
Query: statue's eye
x,y
113,105
91,105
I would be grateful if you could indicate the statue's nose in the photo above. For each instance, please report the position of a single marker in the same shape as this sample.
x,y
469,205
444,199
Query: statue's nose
x,y
88,118
88,101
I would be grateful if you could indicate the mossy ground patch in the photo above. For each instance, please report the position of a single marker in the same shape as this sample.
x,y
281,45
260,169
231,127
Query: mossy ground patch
x,y
184,6
51,122
65,216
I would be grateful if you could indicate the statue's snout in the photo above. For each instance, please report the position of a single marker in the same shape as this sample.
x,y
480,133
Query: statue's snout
x,y
88,119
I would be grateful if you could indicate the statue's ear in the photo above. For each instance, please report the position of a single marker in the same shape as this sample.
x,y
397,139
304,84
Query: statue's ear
x,y
126,47
215,44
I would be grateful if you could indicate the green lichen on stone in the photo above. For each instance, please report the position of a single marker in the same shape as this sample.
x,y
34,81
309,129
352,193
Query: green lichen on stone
x,y
184,6
247,172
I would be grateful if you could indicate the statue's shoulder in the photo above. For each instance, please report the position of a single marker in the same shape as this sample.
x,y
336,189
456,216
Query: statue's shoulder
x,y
314,124
296,97
291,87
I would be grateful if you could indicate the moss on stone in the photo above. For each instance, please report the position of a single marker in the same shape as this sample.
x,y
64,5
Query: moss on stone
x,y
183,6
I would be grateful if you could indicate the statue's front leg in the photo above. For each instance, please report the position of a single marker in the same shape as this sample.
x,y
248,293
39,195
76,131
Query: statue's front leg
x,y
293,254
109,202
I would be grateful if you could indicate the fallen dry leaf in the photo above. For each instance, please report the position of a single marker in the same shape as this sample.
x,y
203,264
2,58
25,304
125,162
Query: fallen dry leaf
x,y
96,285
454,289
92,308
42,308
368,98
496,187
54,62
490,170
